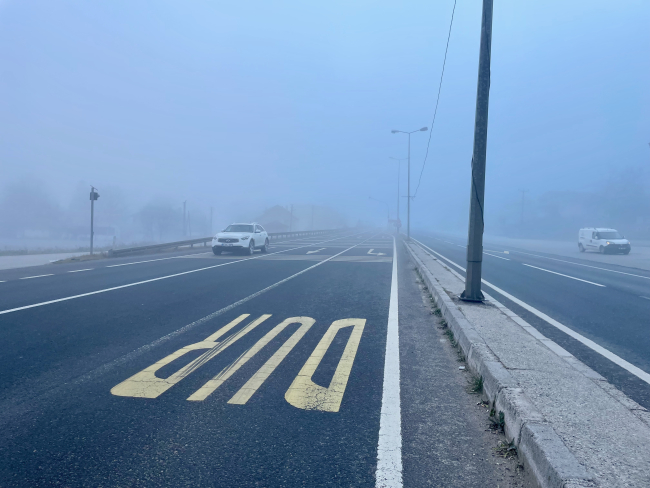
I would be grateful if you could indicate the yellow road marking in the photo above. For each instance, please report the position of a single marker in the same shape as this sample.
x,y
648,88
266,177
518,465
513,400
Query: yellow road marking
x,y
146,384
304,393
256,381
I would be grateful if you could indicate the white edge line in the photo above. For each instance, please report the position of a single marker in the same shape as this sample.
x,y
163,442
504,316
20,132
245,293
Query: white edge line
x,y
584,265
389,446
104,290
39,276
80,270
629,367
566,276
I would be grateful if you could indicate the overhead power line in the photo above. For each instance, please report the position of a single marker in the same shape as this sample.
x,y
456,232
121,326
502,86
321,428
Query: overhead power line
x,y
442,74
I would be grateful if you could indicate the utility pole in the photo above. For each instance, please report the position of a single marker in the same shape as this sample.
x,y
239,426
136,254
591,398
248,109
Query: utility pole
x,y
523,201
93,196
472,291
291,219
184,225
211,209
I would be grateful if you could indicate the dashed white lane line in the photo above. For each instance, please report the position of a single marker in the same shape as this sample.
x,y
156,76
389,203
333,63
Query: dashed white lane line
x,y
389,447
505,259
39,276
80,270
566,276
584,265
647,298
636,371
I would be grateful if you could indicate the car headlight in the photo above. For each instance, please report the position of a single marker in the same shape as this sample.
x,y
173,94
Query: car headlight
x,y
608,243
244,238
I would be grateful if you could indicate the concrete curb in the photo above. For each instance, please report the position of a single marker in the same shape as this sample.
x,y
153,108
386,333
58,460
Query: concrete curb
x,y
547,460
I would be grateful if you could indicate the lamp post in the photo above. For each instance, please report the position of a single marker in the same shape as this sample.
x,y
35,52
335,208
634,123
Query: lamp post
x,y
408,212
399,167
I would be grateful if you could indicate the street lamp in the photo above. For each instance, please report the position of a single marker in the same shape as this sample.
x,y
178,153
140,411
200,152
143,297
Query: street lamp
x,y
399,168
387,208
408,212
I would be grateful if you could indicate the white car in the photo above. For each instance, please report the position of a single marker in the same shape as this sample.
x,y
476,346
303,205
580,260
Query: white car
x,y
241,238
602,240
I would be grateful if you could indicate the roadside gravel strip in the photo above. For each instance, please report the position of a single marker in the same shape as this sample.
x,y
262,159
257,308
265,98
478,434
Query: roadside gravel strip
x,y
571,427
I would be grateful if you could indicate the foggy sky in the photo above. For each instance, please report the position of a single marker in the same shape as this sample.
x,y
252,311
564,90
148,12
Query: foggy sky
x,y
243,105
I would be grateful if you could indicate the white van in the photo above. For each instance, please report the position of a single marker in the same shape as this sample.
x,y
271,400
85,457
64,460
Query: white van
x,y
602,240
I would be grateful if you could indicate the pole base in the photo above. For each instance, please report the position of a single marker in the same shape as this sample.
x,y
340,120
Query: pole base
x,y
479,299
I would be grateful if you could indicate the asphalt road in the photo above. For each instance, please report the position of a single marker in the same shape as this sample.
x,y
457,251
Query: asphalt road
x,y
605,303
189,369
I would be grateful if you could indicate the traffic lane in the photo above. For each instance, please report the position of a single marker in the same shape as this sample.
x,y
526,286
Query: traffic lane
x,y
53,343
92,264
25,292
89,437
636,283
612,318
158,256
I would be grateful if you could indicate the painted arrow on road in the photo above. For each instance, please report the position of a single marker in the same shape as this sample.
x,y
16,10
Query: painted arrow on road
x,y
317,250
376,253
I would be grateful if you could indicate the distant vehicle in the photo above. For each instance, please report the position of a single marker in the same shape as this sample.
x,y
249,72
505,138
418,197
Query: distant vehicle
x,y
241,238
602,240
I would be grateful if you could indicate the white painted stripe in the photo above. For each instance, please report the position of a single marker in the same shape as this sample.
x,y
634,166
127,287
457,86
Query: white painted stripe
x,y
389,447
505,259
49,302
583,265
566,276
39,276
80,270
152,260
647,298
638,372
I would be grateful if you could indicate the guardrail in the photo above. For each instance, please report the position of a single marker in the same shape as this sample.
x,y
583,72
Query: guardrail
x,y
112,253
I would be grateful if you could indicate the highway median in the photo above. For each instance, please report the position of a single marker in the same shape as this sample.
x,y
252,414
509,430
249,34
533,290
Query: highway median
x,y
570,426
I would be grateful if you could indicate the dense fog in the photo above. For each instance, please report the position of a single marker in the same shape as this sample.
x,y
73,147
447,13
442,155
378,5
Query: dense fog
x,y
282,113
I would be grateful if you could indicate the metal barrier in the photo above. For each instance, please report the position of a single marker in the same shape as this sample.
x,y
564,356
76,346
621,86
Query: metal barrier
x,y
112,253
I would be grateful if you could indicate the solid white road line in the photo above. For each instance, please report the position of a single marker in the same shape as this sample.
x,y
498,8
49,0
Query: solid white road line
x,y
389,447
39,276
80,270
149,281
638,372
583,265
505,259
152,260
566,276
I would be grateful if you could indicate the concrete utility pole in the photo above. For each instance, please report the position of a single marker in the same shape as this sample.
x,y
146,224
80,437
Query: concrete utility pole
x,y
472,291
184,224
408,212
93,196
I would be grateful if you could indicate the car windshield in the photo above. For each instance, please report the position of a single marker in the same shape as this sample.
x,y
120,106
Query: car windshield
x,y
610,235
239,228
